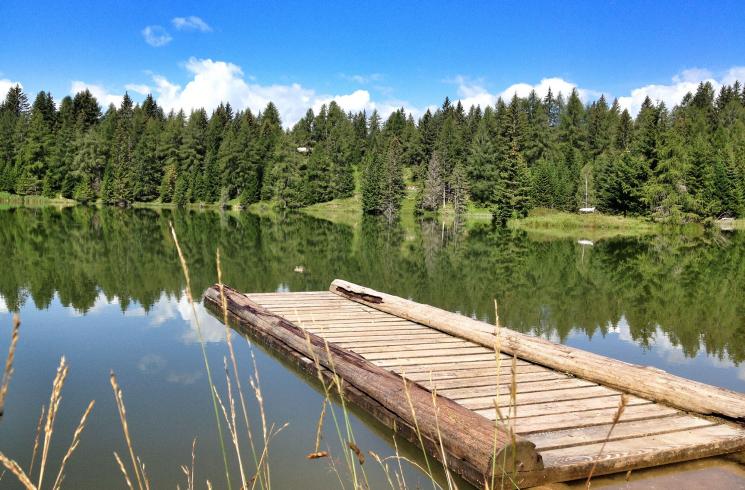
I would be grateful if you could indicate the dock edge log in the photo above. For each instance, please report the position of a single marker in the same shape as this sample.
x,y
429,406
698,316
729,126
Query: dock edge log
x,y
465,435
643,381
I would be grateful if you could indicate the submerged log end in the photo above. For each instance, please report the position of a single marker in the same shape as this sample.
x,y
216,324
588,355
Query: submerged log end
x,y
516,460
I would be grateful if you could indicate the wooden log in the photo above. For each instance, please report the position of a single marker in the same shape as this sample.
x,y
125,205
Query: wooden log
x,y
646,382
464,434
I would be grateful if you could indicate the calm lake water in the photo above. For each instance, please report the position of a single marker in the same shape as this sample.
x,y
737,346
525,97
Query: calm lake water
x,y
104,288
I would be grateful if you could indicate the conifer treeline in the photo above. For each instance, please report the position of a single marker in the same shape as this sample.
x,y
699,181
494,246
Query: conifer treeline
x,y
679,164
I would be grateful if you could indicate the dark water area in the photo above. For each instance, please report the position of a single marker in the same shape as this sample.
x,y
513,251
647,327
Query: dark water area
x,y
104,288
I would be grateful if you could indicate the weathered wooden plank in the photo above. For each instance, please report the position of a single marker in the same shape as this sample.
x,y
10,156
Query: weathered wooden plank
x,y
457,373
463,433
376,336
360,323
529,383
623,430
371,346
489,385
551,422
642,381
528,397
653,450
449,366
557,408
415,360
422,354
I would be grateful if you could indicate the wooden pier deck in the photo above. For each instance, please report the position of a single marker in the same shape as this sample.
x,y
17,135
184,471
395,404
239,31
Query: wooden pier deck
x,y
559,419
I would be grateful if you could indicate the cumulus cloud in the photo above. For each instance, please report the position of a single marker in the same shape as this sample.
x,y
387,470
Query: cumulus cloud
x,y
3,305
103,96
472,92
5,85
156,36
682,83
362,79
138,88
213,82
191,23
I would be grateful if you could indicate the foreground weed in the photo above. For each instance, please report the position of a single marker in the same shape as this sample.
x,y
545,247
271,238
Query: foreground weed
x,y
187,278
48,430
8,371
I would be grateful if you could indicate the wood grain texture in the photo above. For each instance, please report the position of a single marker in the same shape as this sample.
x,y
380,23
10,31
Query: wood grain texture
x,y
642,381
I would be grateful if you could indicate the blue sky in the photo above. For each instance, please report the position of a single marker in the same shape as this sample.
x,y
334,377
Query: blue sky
x,y
368,54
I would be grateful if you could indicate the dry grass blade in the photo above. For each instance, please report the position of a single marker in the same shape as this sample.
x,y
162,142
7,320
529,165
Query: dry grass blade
x,y
73,446
124,471
54,401
125,427
319,426
317,455
193,458
228,339
36,440
14,468
8,372
195,316
616,417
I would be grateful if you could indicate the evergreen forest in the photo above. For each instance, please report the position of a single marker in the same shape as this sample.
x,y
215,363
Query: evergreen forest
x,y
675,164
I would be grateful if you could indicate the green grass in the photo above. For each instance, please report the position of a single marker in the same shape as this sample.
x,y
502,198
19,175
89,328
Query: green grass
x,y
33,201
347,211
548,223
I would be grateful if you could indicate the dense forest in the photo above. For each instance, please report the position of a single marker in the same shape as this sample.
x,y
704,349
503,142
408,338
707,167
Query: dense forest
x,y
679,164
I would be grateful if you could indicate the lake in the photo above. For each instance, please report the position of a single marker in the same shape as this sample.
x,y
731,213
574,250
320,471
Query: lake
x,y
104,288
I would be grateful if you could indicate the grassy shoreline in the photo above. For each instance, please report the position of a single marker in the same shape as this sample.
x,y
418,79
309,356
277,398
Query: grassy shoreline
x,y
543,222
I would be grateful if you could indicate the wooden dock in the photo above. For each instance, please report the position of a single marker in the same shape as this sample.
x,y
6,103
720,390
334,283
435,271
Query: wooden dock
x,y
556,404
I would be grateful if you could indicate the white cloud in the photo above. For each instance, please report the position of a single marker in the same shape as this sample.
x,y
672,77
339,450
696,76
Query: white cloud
x,y
3,305
214,82
5,85
472,92
682,83
156,36
362,79
104,96
138,88
151,363
191,23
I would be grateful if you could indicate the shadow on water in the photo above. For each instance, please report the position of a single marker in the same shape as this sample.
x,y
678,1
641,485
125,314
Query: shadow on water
x,y
104,287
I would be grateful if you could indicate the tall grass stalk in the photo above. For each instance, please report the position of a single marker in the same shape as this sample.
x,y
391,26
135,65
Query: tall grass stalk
x,y
48,427
616,417
187,278
328,390
8,371
119,398
228,337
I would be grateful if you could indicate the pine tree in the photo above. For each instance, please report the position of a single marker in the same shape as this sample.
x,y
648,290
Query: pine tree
x,y
482,164
393,180
35,155
459,189
339,146
119,177
148,169
13,114
169,154
270,134
192,154
372,181
433,190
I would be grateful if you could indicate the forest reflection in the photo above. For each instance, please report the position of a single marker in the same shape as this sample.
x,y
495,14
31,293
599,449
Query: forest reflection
x,y
690,288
